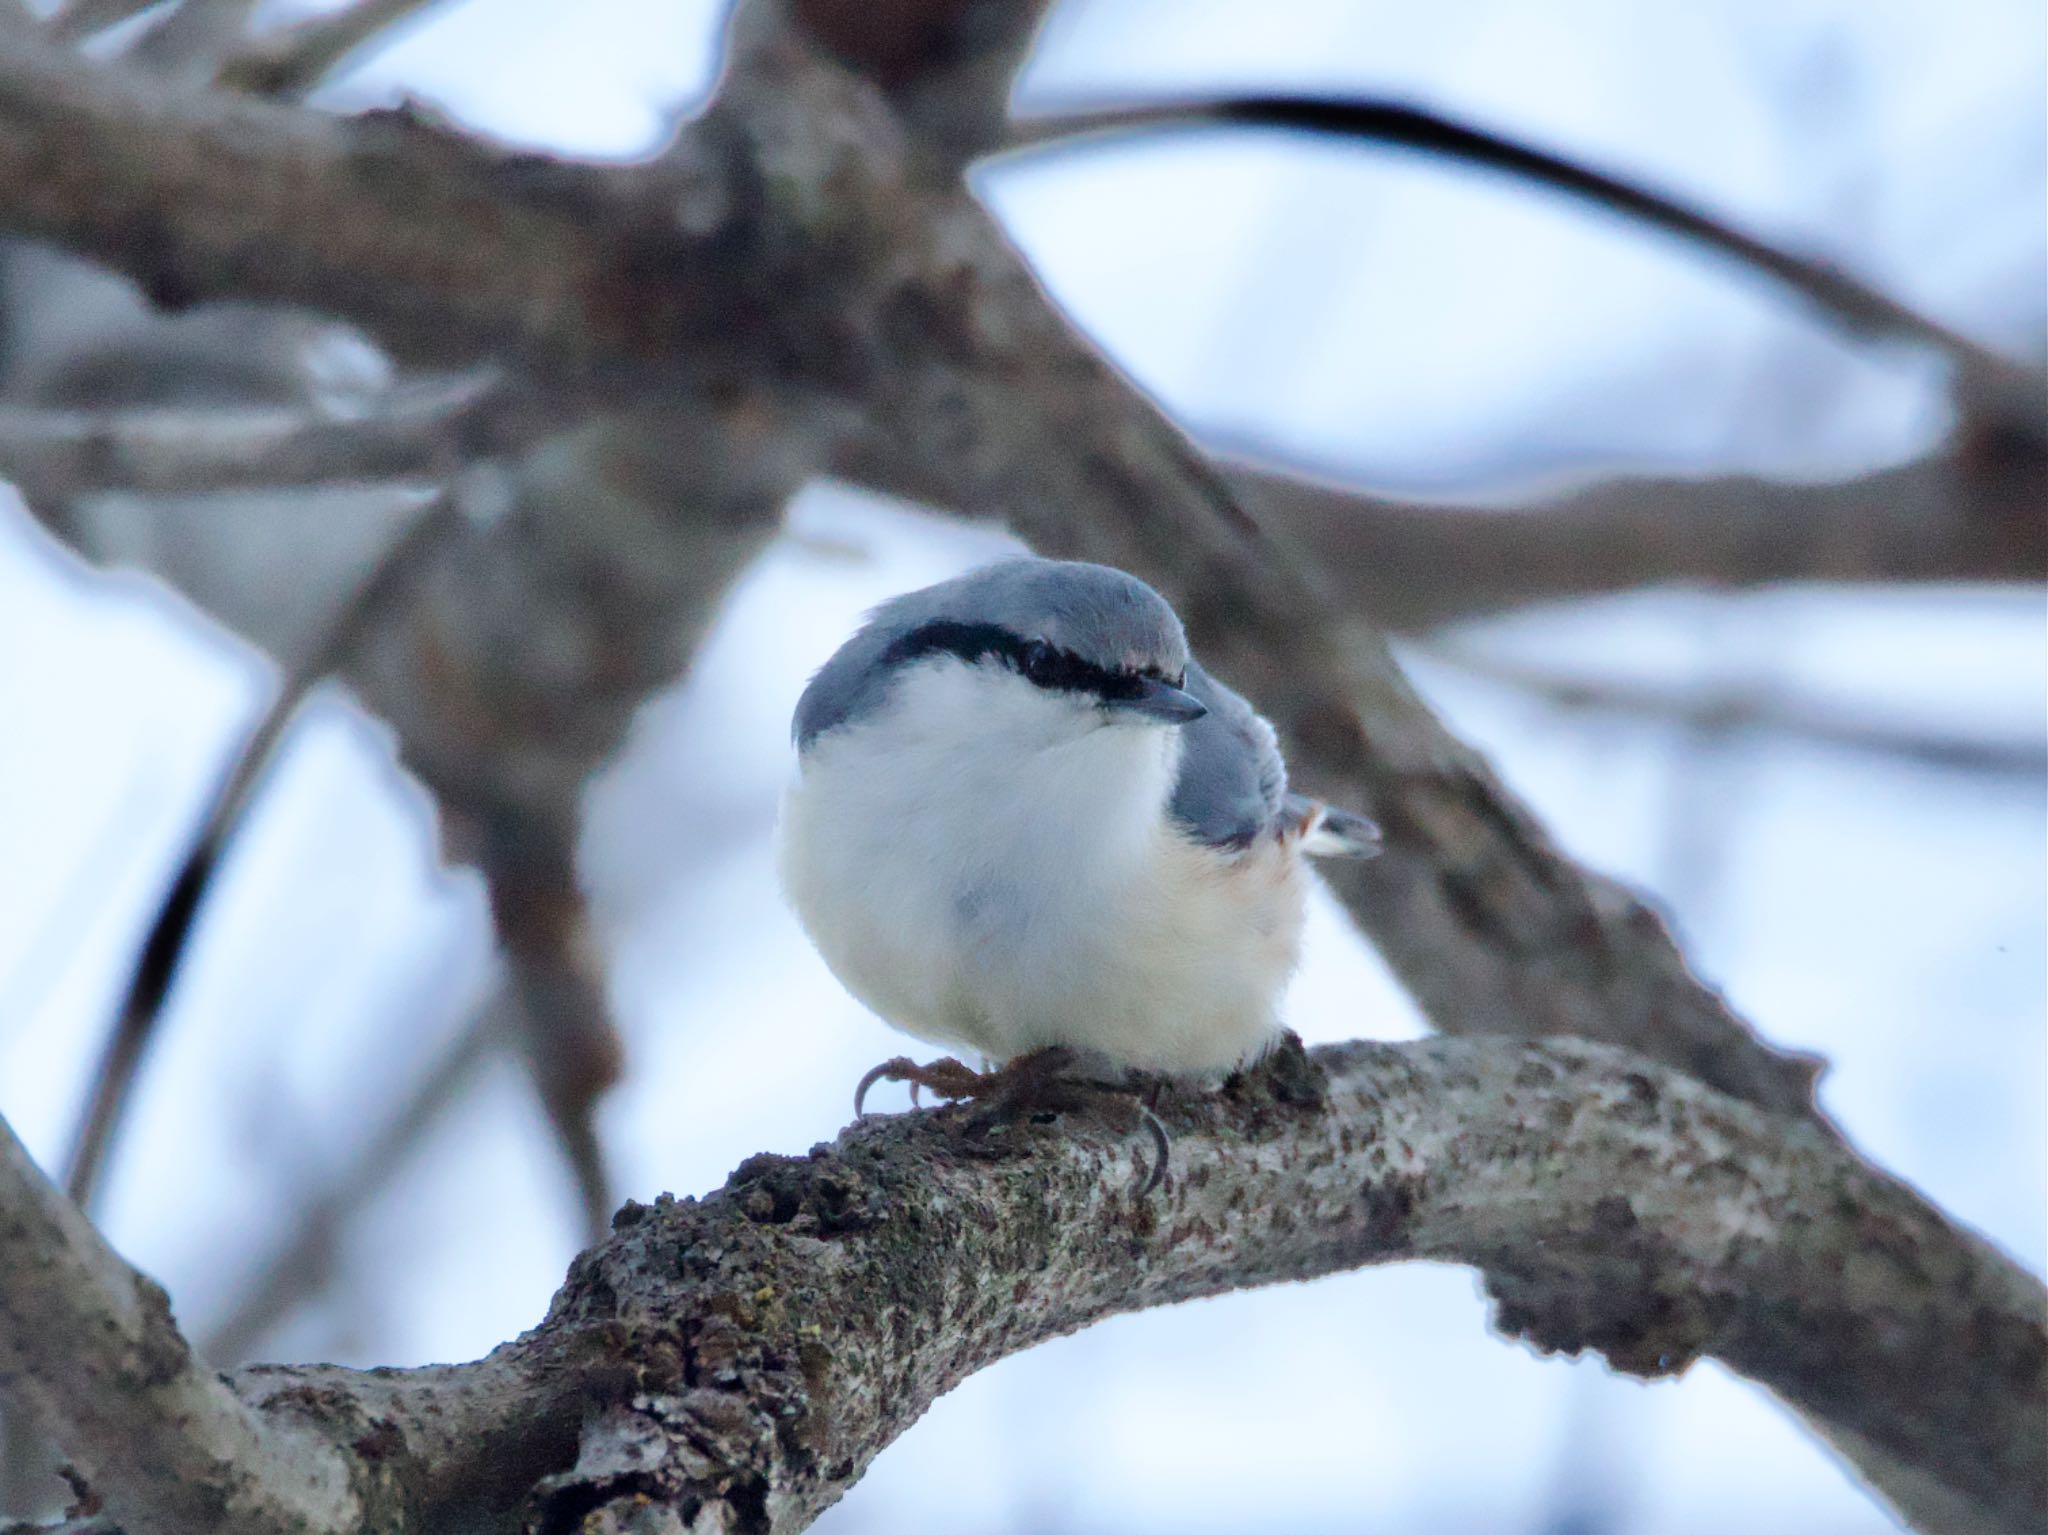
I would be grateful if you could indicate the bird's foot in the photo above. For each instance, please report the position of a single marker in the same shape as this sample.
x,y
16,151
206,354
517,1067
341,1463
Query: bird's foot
x,y
1038,1082
944,1078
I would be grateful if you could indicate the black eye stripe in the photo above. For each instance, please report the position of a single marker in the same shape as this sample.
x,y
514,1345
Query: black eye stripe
x,y
1043,664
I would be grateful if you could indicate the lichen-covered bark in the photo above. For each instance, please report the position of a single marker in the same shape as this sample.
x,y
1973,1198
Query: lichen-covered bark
x,y
738,1360
735,1362
1609,1206
89,1353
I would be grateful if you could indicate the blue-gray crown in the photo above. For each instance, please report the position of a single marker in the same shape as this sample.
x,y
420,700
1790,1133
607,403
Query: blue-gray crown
x,y
1063,623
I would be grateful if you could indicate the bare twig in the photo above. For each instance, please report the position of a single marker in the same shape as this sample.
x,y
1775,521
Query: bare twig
x,y
421,431
288,65
157,960
1703,707
1984,376
76,20
303,1263
88,1349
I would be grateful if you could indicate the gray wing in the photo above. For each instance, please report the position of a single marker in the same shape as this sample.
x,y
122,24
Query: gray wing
x,y
1233,784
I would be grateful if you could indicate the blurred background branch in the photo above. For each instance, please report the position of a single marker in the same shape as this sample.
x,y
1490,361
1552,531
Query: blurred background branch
x,y
1958,515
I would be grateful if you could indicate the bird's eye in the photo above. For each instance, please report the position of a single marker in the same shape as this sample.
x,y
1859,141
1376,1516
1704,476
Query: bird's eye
x,y
1041,662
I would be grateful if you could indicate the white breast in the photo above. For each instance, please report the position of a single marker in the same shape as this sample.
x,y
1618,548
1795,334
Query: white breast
x,y
989,866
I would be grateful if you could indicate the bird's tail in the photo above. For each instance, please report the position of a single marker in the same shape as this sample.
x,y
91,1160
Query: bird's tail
x,y
1327,832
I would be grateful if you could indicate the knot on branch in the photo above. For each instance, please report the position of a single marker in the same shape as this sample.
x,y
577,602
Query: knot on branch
x,y
1286,1077
1619,1298
696,1460
161,1350
820,1195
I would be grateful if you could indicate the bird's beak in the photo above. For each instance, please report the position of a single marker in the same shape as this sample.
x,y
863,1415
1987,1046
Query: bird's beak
x,y
1161,701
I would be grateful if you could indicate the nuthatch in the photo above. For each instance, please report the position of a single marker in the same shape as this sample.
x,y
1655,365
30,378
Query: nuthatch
x,y
1024,818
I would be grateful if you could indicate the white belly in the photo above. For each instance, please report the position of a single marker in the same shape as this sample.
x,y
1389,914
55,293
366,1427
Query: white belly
x,y
977,900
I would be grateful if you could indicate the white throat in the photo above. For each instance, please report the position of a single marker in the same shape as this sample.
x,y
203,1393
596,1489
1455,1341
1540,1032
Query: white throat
x,y
992,767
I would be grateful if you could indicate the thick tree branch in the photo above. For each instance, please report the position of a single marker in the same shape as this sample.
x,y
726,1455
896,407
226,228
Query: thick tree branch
x,y
89,1352
424,431
445,248
945,65
744,1357
724,1358
1962,515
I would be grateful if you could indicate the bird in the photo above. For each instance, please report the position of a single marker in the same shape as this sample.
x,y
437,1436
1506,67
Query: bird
x,y
1026,824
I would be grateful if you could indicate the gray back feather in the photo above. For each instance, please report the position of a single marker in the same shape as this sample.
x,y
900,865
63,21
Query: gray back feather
x,y
1233,784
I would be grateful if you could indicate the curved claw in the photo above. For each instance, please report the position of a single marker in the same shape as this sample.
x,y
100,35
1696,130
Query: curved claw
x,y
898,1068
1030,1081
1164,1145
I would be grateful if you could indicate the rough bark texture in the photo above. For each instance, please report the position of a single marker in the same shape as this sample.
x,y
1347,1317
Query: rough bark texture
x,y
88,1351
734,1363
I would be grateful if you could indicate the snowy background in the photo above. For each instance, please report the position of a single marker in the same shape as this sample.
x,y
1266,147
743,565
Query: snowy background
x,y
1386,317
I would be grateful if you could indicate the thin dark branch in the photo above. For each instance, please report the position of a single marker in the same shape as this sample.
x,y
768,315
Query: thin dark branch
x,y
303,1264
421,431
288,65
169,935
1704,707
1983,374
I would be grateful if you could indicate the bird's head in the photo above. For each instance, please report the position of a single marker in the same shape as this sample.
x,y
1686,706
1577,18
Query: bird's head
x,y
1037,651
